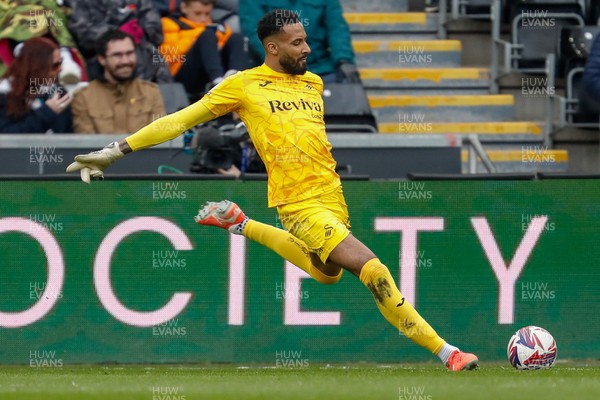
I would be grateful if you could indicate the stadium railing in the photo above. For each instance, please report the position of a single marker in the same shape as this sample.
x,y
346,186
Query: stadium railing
x,y
533,53
527,53
573,52
472,9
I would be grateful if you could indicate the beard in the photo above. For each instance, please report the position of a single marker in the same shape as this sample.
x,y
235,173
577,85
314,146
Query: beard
x,y
118,75
293,67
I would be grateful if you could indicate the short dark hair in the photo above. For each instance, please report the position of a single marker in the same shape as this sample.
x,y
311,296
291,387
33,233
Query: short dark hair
x,y
101,44
274,21
205,2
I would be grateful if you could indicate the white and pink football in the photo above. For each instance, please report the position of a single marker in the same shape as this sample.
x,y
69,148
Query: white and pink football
x,y
532,347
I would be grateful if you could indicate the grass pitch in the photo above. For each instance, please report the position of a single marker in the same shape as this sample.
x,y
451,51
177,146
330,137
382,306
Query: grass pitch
x,y
360,382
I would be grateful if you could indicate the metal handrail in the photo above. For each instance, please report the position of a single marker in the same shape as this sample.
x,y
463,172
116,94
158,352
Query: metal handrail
x,y
442,19
517,47
476,150
458,8
568,105
550,88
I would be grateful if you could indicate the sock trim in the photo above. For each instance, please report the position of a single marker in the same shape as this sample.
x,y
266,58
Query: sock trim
x,y
446,351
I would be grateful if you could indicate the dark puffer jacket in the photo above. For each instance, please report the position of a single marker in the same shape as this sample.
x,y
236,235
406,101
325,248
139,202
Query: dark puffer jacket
x,y
91,18
591,79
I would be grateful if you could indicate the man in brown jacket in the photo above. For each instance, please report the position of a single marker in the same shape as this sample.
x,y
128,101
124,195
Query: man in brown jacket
x,y
118,102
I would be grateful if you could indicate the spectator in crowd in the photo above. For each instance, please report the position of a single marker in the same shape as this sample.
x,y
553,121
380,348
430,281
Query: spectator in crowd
x,y
225,12
590,97
199,52
432,6
21,20
118,102
167,7
30,99
91,18
331,54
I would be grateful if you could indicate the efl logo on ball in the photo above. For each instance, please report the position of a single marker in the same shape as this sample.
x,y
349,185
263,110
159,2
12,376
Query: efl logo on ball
x,y
532,347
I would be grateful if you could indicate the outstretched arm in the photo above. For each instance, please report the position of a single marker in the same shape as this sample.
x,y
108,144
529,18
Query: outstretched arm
x,y
167,127
220,100
164,129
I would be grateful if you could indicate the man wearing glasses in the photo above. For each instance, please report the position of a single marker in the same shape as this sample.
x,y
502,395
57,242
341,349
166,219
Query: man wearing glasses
x,y
117,102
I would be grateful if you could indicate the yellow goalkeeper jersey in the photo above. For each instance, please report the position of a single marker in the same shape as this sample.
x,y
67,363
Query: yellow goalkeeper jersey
x,y
284,117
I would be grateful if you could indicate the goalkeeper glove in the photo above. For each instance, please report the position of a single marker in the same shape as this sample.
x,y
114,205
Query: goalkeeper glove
x,y
92,164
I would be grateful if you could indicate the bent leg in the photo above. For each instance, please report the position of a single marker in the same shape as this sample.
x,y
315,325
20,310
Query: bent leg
x,y
354,256
292,249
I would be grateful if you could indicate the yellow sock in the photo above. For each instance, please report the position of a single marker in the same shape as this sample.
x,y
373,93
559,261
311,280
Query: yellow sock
x,y
287,246
375,276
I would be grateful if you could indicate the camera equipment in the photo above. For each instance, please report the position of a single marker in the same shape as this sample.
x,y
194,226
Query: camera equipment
x,y
217,146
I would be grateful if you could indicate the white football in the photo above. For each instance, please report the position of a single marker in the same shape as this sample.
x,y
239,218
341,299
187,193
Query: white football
x,y
532,347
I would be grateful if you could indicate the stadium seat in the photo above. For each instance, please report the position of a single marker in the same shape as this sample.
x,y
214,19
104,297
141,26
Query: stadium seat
x,y
347,109
535,29
473,9
594,14
574,47
583,5
174,96
585,112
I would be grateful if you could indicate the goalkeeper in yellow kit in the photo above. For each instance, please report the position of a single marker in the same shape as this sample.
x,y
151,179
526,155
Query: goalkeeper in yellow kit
x,y
280,102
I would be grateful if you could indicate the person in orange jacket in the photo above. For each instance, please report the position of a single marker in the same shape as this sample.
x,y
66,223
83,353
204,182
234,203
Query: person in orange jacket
x,y
198,52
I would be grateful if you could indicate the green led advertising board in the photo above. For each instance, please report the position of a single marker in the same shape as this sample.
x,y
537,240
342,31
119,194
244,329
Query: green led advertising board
x,y
118,271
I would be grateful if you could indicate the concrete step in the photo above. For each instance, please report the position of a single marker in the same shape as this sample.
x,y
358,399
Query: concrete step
x,y
425,78
422,110
378,36
489,132
426,91
371,6
407,53
522,159
380,22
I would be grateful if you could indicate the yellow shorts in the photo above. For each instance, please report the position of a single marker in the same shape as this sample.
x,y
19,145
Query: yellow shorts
x,y
321,222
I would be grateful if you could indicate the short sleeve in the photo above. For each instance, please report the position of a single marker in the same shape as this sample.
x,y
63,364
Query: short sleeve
x,y
225,97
